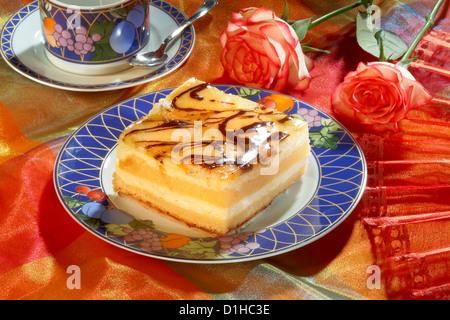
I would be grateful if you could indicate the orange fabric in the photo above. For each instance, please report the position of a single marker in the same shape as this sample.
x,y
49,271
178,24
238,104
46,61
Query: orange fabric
x,y
12,141
401,224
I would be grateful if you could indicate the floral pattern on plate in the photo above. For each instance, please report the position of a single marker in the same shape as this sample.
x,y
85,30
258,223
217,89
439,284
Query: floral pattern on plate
x,y
335,190
92,207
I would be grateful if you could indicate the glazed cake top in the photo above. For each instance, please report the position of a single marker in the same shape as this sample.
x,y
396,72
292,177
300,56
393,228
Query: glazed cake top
x,y
198,124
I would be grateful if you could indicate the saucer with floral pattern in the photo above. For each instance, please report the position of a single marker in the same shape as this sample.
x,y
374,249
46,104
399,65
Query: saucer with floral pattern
x,y
23,49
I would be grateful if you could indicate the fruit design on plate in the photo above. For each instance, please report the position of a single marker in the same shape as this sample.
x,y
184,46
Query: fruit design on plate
x,y
81,43
93,208
321,130
102,39
123,35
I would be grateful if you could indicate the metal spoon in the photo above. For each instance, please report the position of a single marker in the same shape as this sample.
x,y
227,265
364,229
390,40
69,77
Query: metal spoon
x,y
159,57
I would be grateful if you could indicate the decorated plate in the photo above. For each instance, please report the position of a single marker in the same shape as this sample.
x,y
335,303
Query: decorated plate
x,y
23,49
327,193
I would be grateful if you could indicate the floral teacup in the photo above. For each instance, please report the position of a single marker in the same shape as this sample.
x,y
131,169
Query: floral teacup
x,y
94,37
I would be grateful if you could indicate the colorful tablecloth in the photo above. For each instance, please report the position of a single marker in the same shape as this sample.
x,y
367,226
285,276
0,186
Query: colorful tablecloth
x,y
401,227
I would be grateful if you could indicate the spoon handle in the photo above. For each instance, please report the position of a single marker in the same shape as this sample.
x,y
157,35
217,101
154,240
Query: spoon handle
x,y
204,8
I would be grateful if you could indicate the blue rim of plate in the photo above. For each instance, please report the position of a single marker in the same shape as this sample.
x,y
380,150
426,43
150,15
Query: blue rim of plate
x,y
342,179
7,50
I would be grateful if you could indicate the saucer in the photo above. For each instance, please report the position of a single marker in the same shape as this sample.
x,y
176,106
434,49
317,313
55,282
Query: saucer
x,y
23,49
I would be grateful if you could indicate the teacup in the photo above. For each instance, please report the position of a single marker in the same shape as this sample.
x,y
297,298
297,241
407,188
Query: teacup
x,y
94,37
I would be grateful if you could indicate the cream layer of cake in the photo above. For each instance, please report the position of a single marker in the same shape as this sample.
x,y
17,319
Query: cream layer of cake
x,y
209,159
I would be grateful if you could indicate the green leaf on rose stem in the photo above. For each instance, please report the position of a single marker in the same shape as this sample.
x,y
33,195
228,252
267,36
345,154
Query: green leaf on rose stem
x,y
365,34
307,47
301,27
366,3
405,63
380,43
382,57
285,14
291,22
392,45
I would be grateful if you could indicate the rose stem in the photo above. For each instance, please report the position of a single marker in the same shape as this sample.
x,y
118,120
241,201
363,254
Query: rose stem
x,y
334,13
428,24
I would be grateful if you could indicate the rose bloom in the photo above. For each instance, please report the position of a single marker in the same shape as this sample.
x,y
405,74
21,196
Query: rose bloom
x,y
378,94
261,50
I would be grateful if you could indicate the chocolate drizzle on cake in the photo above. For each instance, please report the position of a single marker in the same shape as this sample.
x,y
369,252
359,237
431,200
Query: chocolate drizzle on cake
x,y
244,135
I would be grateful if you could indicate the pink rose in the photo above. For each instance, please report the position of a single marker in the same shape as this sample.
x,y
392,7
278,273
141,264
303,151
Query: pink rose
x,y
262,50
378,94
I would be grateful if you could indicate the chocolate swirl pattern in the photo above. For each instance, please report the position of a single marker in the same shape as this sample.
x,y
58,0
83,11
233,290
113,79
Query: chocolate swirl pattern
x,y
198,128
210,159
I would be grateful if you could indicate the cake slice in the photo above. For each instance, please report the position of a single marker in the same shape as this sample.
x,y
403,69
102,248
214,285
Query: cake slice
x,y
209,159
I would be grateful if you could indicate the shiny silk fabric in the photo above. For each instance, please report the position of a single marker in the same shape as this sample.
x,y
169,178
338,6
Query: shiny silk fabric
x,y
401,225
